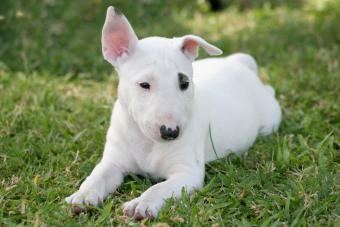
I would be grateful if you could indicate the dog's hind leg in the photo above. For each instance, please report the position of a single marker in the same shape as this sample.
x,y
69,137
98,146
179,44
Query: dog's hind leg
x,y
246,60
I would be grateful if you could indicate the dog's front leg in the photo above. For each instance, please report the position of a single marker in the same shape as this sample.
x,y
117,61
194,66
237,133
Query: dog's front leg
x,y
104,179
152,200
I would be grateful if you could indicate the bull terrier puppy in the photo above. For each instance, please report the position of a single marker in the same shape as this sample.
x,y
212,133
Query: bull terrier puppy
x,y
174,114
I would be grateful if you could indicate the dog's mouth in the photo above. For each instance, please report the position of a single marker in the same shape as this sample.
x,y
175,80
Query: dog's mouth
x,y
167,138
158,138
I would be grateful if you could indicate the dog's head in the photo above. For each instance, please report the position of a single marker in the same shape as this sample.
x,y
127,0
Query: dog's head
x,y
155,75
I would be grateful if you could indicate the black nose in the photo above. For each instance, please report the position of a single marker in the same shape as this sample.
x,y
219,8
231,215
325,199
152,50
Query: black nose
x,y
169,133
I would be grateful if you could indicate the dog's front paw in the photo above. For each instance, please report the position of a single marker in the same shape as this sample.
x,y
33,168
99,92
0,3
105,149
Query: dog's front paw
x,y
140,208
81,198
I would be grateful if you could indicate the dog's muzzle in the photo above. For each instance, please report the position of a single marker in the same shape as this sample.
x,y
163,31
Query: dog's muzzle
x,y
169,133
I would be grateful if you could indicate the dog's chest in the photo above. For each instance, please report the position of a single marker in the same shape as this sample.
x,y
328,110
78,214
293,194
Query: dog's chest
x,y
152,162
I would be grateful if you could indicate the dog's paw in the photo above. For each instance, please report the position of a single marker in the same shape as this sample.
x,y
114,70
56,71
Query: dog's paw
x,y
140,208
90,198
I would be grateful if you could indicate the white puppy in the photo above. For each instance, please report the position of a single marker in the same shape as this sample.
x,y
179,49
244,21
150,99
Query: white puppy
x,y
172,115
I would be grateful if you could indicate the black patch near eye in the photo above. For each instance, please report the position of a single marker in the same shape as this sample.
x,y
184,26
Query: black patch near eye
x,y
144,85
183,81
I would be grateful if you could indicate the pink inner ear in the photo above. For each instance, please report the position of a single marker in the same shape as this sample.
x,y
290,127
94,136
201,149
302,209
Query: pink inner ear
x,y
118,38
190,46
115,45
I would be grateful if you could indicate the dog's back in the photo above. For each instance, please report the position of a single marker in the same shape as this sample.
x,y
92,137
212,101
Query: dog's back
x,y
239,104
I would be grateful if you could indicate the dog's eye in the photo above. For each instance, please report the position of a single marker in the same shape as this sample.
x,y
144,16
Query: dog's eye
x,y
145,85
183,81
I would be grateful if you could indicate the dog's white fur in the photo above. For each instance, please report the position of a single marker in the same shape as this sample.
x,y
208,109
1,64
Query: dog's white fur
x,y
224,109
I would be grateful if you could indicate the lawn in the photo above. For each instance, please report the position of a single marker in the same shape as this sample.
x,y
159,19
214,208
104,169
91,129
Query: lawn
x,y
56,95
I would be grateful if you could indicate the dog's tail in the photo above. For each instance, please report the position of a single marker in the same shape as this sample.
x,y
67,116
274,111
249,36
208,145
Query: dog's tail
x,y
247,60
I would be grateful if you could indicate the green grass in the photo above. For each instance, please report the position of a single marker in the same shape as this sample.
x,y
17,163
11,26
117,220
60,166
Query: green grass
x,y
56,94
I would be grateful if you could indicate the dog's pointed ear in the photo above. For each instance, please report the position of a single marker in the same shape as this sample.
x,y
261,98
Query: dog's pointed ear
x,y
118,38
190,44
